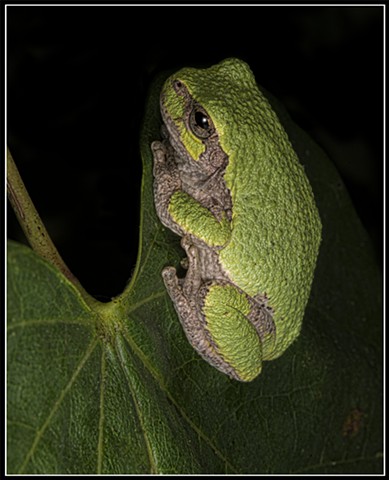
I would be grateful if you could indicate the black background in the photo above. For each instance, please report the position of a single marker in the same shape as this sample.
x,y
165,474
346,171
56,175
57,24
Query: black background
x,y
77,79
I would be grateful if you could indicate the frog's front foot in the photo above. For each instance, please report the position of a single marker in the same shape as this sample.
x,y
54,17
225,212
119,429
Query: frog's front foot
x,y
192,280
169,277
190,284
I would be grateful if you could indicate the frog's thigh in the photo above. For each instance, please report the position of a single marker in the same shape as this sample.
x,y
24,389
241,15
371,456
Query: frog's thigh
x,y
227,311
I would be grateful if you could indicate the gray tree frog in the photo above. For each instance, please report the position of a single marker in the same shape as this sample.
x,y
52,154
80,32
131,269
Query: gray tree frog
x,y
227,180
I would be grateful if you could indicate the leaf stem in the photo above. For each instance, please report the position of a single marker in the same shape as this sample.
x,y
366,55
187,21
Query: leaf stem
x,y
33,227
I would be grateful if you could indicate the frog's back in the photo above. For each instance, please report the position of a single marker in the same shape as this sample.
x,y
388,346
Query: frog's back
x,y
276,227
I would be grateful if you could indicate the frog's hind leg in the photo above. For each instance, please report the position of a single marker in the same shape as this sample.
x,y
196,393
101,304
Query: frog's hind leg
x,y
186,309
193,320
259,314
215,318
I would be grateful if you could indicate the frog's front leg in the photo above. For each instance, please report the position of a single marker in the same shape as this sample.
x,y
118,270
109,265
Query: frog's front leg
x,y
180,211
166,182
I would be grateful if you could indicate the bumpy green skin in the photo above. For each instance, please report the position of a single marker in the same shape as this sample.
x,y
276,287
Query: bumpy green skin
x,y
196,219
226,311
271,245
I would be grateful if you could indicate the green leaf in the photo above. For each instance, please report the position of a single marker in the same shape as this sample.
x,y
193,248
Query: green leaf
x,y
116,388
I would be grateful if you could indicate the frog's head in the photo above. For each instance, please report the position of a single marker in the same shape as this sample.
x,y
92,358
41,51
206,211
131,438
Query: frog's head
x,y
201,108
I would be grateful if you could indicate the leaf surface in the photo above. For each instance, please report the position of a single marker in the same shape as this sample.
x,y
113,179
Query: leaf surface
x,y
116,388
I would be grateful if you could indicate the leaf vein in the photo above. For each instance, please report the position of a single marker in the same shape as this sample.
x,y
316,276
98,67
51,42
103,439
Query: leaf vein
x,y
40,432
163,388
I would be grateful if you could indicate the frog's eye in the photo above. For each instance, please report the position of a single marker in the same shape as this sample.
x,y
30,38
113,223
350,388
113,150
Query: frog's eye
x,y
200,123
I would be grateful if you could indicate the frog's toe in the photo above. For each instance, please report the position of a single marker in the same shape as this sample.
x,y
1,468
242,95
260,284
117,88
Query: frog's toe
x,y
169,275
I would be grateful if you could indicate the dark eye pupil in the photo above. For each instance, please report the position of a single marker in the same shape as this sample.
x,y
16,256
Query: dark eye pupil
x,y
200,123
201,120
